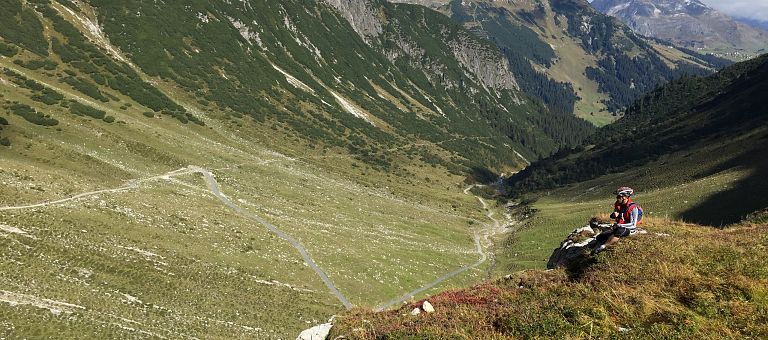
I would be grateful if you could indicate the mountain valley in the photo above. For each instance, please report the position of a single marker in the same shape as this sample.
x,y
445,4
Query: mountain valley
x,y
248,169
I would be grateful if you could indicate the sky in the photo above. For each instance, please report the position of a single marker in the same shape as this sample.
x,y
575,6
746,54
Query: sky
x,y
753,9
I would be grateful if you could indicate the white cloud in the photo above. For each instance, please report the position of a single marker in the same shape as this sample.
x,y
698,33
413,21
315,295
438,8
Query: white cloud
x,y
753,9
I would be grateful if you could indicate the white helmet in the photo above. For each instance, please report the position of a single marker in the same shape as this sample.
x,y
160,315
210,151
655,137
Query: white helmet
x,y
625,191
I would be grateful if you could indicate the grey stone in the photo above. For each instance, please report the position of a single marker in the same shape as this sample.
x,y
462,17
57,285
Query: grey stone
x,y
319,332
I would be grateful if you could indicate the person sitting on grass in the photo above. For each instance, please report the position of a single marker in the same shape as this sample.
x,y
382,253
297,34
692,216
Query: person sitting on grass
x,y
627,215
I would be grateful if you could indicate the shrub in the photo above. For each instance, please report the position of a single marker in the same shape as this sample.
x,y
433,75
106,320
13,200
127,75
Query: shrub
x,y
5,142
109,119
86,87
32,116
8,50
48,96
85,110
3,121
37,64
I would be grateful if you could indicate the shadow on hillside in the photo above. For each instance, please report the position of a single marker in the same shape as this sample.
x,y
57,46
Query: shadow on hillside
x,y
744,197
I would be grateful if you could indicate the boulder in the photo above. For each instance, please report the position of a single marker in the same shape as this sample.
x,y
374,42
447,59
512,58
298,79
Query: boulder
x,y
578,243
416,311
427,307
319,332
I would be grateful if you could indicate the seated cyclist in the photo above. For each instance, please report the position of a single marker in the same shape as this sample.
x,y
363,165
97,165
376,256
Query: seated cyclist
x,y
627,215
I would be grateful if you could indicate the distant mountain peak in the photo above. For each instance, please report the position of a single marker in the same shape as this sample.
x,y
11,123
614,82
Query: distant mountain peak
x,y
653,8
689,23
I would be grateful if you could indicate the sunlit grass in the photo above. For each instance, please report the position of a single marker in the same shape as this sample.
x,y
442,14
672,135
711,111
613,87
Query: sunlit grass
x,y
693,283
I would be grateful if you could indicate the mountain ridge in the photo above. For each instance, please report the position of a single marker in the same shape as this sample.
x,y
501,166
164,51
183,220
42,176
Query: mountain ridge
x,y
573,57
691,24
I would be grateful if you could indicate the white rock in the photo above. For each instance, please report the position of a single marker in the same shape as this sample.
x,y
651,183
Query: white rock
x,y
319,332
428,307
586,230
416,311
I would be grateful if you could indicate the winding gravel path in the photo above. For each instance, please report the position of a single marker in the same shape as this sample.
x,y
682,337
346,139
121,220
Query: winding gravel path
x,y
485,234
213,186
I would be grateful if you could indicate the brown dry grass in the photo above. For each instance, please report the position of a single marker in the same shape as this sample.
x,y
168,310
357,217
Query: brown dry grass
x,y
698,282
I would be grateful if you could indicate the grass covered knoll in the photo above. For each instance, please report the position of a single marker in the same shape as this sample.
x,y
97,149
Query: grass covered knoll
x,y
699,282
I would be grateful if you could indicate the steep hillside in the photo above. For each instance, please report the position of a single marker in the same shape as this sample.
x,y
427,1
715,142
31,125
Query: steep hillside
x,y
690,24
572,57
217,169
692,283
688,129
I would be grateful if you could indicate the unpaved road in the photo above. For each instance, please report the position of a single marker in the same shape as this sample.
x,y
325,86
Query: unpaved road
x,y
480,236
484,234
214,188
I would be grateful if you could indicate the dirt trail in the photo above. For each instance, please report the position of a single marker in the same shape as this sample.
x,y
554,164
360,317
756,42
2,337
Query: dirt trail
x,y
214,188
481,236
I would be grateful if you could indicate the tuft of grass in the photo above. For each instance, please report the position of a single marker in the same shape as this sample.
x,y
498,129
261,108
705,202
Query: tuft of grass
x,y
698,282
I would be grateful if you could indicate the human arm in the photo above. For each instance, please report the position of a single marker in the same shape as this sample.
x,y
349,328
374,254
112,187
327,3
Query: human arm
x,y
634,216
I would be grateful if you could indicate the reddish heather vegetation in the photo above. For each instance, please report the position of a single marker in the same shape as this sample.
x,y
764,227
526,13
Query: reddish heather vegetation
x,y
699,282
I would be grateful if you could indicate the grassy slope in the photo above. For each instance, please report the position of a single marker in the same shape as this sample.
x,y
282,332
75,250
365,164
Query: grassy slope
x,y
168,259
356,222
699,282
670,187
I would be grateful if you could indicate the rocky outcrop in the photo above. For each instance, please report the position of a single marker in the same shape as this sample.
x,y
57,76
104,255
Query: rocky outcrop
x,y
578,244
491,69
361,15
481,62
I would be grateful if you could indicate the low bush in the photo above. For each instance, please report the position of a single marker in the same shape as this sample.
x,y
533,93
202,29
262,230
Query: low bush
x,y
85,110
32,116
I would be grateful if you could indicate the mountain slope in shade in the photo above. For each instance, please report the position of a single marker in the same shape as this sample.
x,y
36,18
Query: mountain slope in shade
x,y
682,132
759,24
688,23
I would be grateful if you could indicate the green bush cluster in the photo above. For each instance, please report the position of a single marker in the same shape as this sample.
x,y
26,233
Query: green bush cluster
x,y
32,116
4,140
182,116
36,64
102,69
8,50
85,110
40,93
22,27
48,96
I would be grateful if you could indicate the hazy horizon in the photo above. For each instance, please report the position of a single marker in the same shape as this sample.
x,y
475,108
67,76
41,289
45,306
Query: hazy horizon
x,y
752,9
